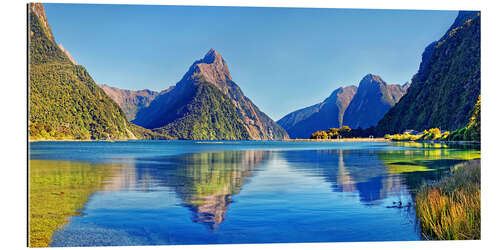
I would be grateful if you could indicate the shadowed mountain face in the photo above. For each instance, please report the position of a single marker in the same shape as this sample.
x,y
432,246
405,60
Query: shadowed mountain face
x,y
327,114
131,101
174,112
372,100
447,84
361,106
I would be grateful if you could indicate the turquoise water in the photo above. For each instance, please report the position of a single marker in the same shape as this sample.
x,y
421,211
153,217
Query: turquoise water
x,y
186,192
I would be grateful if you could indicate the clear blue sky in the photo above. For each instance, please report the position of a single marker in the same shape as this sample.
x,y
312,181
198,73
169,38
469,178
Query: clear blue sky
x,y
282,58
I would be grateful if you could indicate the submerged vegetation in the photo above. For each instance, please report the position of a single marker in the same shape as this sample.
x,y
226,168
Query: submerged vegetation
x,y
433,156
451,208
57,191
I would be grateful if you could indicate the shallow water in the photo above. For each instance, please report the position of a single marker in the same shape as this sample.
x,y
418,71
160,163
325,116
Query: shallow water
x,y
186,192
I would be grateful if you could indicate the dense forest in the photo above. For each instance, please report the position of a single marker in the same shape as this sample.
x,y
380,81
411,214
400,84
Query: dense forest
x,y
209,115
447,85
64,101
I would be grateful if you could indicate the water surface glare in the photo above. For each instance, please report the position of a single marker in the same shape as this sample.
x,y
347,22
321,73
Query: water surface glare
x,y
187,192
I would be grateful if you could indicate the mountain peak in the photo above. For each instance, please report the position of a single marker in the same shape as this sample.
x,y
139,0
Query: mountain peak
x,y
39,10
207,98
372,78
370,81
213,68
212,56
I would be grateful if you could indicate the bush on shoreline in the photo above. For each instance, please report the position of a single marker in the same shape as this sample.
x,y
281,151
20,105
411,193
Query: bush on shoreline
x,y
344,132
471,132
432,134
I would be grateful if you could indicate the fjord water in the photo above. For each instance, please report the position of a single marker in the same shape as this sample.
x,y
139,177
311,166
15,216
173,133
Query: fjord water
x,y
194,192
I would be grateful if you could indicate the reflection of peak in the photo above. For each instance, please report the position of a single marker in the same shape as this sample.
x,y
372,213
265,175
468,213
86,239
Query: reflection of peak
x,y
212,210
344,180
208,193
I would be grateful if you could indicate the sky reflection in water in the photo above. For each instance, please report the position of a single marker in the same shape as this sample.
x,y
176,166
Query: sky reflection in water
x,y
255,192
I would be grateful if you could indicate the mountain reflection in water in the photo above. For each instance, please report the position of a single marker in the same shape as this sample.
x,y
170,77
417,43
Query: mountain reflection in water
x,y
250,192
204,182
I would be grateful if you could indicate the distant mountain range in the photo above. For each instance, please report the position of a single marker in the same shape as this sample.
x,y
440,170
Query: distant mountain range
x,y
207,104
131,101
372,100
329,113
356,107
447,85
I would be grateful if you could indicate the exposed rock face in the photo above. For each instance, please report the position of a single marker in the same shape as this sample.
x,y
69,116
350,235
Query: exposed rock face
x,y
67,53
39,11
212,69
372,100
447,84
131,101
327,114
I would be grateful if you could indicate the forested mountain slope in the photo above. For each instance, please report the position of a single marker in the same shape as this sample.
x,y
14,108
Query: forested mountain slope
x,y
447,85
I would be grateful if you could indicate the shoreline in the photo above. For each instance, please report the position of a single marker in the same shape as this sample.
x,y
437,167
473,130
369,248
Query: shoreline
x,y
283,140
340,140
438,141
76,140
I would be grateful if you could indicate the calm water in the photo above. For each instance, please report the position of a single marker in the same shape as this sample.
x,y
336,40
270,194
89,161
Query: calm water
x,y
184,192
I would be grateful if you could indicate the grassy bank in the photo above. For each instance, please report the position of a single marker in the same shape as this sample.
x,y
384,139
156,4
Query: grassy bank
x,y
57,191
451,208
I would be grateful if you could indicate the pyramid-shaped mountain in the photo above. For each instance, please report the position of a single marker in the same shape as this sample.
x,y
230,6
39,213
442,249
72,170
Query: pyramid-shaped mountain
x,y
207,105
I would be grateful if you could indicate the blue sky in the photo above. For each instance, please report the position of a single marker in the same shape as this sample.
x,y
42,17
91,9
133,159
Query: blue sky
x,y
282,58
